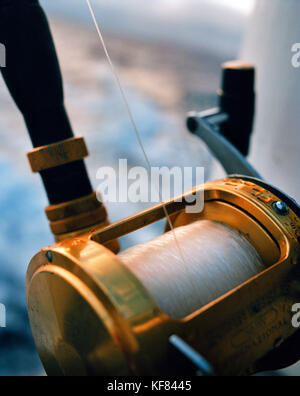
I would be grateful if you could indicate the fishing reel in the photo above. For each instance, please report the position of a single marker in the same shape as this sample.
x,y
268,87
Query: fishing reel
x,y
89,313
91,316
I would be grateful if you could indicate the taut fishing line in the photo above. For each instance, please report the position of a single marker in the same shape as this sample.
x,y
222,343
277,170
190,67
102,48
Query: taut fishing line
x,y
132,119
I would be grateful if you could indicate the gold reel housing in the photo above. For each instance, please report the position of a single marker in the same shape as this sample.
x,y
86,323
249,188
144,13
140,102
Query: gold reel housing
x,y
91,316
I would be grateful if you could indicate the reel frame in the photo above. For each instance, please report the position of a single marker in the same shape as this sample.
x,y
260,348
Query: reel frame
x,y
91,316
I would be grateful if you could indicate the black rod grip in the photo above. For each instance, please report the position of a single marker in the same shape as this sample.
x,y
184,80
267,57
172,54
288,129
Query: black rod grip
x,y
33,77
237,99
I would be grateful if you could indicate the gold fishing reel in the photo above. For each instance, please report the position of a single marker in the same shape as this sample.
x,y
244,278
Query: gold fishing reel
x,y
91,316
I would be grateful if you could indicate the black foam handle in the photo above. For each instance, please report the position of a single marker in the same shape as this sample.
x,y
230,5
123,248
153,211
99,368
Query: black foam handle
x,y
33,76
237,99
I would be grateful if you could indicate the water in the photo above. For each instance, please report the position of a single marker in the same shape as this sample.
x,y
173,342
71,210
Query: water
x,y
22,231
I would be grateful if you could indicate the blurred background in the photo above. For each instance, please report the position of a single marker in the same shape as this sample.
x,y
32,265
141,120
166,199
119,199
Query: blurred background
x,y
169,54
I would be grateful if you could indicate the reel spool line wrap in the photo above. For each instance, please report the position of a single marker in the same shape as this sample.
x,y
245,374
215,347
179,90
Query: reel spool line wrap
x,y
217,260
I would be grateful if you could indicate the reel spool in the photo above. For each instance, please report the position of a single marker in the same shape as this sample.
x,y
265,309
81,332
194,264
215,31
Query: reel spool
x,y
90,315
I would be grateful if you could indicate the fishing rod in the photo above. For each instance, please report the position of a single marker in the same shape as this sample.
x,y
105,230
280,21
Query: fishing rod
x,y
33,77
91,311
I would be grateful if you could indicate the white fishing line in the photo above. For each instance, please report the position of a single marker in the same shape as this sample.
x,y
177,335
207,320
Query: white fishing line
x,y
217,259
130,114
